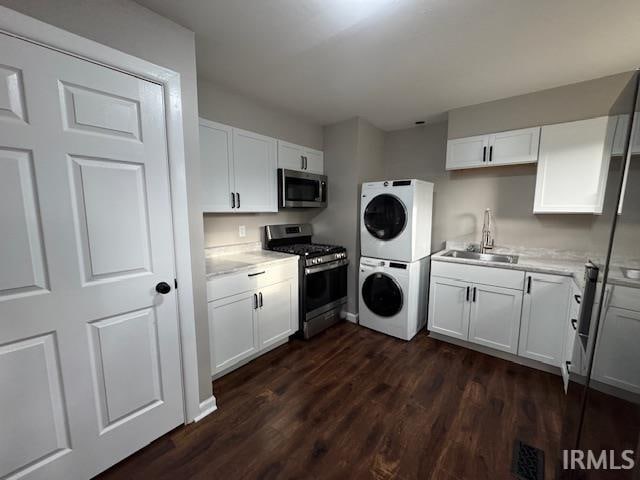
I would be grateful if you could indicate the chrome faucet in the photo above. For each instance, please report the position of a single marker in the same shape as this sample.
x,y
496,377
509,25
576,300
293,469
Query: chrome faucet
x,y
487,241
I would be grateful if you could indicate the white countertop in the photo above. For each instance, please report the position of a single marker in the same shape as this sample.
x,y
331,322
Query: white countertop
x,y
530,259
237,258
541,260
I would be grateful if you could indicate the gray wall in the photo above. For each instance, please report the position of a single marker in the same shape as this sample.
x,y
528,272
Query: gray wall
x,y
131,28
577,101
461,196
221,105
353,153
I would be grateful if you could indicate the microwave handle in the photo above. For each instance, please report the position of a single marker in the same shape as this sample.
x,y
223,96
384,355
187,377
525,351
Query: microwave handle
x,y
321,196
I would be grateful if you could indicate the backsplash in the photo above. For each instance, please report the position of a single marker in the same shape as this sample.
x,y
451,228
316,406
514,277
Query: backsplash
x,y
223,228
232,249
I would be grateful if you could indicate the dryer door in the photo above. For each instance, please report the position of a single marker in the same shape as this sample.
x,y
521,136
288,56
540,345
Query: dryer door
x,y
385,217
382,295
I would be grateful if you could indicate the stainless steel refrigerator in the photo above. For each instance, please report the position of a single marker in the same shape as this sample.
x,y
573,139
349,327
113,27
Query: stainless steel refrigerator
x,y
601,420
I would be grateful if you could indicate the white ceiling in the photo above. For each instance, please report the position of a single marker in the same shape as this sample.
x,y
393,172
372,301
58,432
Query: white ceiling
x,y
397,61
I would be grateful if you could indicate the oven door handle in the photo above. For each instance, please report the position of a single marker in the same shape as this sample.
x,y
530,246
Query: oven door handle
x,y
326,266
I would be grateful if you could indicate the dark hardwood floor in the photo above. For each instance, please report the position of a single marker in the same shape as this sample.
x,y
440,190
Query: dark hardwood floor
x,y
353,403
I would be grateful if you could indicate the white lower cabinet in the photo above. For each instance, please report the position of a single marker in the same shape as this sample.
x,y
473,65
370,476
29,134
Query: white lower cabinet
x,y
483,314
521,313
275,312
617,360
544,312
570,361
495,317
449,307
233,325
250,312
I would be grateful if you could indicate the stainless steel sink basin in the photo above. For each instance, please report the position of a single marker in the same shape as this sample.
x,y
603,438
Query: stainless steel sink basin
x,y
485,257
631,273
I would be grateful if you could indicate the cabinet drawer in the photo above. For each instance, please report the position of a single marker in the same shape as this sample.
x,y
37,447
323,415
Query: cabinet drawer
x,y
235,283
499,277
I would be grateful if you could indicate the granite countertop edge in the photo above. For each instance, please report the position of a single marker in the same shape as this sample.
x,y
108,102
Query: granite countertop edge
x,y
573,268
268,258
523,265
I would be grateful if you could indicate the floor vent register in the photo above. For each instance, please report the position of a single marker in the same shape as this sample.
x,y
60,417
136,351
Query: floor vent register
x,y
528,462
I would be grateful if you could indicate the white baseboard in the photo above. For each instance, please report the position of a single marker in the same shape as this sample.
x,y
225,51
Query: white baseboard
x,y
351,317
206,407
497,353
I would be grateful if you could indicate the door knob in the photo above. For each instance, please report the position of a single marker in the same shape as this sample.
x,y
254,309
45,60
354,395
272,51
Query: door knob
x,y
163,288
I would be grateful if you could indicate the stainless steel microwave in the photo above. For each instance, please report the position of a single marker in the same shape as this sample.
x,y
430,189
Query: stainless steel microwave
x,y
301,189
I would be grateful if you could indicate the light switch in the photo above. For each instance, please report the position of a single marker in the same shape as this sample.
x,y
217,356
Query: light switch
x,y
242,231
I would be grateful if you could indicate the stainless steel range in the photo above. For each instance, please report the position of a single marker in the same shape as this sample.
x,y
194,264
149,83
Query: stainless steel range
x,y
323,275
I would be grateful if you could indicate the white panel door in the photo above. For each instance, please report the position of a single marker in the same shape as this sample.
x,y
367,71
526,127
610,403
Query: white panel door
x,y
233,329
290,156
545,309
514,147
89,353
216,162
449,303
573,166
617,356
314,161
467,152
495,317
255,168
275,314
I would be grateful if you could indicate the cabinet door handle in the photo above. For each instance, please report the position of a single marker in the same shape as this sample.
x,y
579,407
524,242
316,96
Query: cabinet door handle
x,y
256,274
468,288
255,301
484,154
301,162
574,323
491,153
568,364
578,298
306,164
238,199
529,284
261,303
233,200
474,294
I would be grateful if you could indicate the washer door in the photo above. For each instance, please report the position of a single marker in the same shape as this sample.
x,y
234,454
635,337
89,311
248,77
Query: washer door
x,y
382,295
385,217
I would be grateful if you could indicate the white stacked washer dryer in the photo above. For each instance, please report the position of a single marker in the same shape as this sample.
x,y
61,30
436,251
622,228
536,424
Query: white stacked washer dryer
x,y
395,244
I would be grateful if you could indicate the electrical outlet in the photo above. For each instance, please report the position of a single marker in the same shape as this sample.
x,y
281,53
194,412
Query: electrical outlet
x,y
242,231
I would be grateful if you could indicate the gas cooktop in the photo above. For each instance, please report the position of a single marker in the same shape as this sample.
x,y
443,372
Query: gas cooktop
x,y
309,249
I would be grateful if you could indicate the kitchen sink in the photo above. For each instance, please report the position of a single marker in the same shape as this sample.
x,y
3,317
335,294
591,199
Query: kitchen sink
x,y
631,273
485,257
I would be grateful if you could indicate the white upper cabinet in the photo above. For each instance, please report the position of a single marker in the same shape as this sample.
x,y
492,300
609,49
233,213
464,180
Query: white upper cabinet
x,y
469,152
238,169
216,166
255,172
314,161
514,147
622,124
296,157
573,166
503,148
